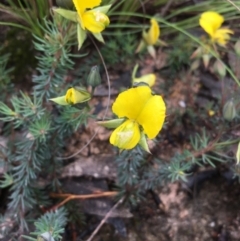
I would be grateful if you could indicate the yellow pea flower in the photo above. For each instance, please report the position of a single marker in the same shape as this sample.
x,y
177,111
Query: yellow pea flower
x,y
211,22
93,20
74,95
144,113
151,37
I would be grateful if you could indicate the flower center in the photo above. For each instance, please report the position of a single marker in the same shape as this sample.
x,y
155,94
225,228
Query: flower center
x,y
99,17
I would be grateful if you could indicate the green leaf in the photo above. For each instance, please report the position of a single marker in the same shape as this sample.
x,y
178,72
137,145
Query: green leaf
x,y
81,36
71,15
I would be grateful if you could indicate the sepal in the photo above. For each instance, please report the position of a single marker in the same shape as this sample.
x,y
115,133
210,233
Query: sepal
x,y
68,14
99,37
103,9
60,100
151,51
81,36
143,143
111,124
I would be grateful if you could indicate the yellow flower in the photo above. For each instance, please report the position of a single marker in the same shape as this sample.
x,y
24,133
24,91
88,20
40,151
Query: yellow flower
x,y
93,20
144,113
151,37
211,22
74,95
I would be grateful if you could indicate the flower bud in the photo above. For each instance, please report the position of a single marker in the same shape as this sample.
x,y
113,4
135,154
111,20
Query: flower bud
x,y
238,154
219,68
77,95
237,47
229,110
197,53
94,78
206,59
153,34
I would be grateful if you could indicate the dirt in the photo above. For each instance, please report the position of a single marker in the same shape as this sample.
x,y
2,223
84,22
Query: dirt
x,y
211,214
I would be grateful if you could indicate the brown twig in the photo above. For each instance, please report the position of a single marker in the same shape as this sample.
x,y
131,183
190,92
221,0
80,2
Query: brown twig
x,y
105,219
69,197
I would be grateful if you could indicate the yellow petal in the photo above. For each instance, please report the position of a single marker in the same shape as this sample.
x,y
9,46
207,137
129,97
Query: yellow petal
x,y
126,136
153,34
95,21
221,36
82,5
130,103
211,21
152,116
148,79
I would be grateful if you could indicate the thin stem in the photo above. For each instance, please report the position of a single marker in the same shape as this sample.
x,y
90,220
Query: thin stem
x,y
105,219
106,109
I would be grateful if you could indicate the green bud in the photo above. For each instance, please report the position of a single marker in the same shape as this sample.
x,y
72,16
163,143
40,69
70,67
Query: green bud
x,y
75,95
237,47
229,110
238,153
206,59
94,78
111,124
197,53
219,68
195,64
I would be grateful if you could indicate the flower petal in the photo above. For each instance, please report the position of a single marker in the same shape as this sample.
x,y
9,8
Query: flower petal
x,y
211,21
152,116
126,136
82,5
221,36
95,21
131,102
